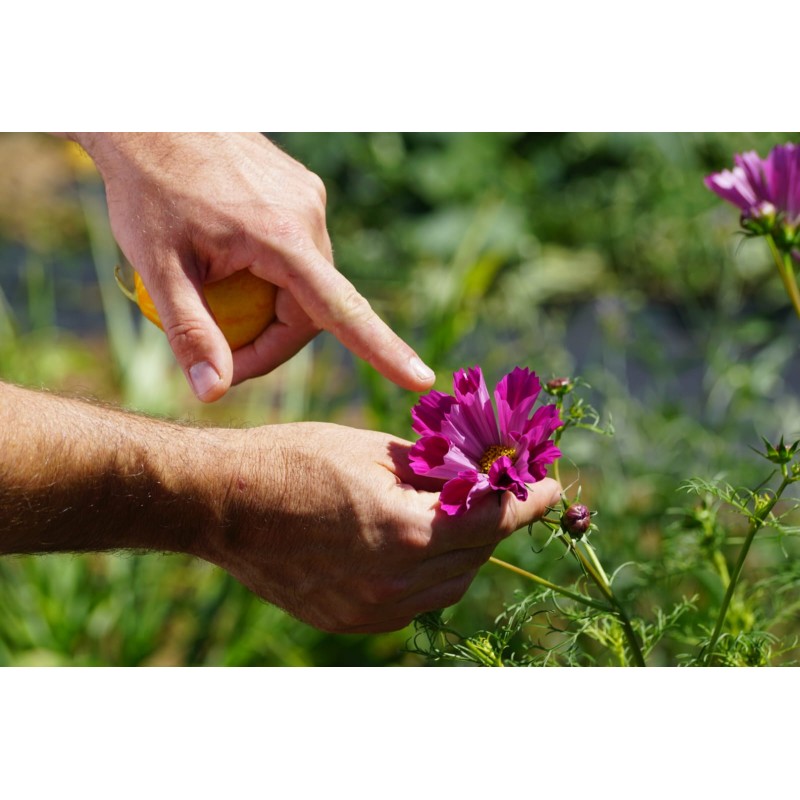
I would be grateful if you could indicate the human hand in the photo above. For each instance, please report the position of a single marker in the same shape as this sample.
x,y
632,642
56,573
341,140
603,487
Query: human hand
x,y
328,522
188,209
349,539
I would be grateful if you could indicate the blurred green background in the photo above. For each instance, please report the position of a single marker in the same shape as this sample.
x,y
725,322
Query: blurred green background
x,y
599,255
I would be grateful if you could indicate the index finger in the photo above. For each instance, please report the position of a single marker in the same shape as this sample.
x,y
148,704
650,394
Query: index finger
x,y
334,304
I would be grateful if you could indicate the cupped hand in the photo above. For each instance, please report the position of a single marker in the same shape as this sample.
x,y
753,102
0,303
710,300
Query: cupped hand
x,y
331,524
190,208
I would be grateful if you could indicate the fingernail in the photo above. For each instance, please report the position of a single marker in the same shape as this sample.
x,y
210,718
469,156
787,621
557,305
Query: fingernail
x,y
422,371
203,378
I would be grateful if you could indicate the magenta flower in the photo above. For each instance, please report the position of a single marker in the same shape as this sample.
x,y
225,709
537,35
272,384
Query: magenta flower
x,y
477,451
762,187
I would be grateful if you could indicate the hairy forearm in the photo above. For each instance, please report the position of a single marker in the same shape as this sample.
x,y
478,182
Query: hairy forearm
x,y
328,522
75,476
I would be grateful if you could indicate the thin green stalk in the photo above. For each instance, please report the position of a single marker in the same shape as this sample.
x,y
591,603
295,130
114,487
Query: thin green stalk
x,y
595,561
791,278
756,524
630,635
722,566
593,568
579,598
786,270
598,575
615,607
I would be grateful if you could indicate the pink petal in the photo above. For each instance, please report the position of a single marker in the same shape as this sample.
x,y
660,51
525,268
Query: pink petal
x,y
428,453
733,187
539,457
753,168
474,414
542,424
457,495
435,457
429,413
515,396
504,478
782,168
522,448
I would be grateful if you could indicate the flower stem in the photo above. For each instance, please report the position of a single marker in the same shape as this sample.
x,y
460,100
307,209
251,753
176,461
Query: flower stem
x,y
596,562
756,523
578,598
604,587
598,575
557,437
786,270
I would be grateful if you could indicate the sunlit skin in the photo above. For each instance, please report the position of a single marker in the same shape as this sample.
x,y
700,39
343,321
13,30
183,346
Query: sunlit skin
x,y
187,209
328,522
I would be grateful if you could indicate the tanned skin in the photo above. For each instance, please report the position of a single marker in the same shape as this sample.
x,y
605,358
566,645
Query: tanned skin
x,y
191,208
325,521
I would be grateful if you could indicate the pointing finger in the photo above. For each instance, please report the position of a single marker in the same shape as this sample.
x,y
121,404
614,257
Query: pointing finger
x,y
334,304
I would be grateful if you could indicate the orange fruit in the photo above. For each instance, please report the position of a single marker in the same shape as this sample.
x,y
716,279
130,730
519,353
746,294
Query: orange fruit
x,y
242,304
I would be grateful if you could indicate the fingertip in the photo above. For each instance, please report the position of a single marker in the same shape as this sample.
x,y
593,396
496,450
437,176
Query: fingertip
x,y
206,382
207,365
411,374
422,373
334,304
542,495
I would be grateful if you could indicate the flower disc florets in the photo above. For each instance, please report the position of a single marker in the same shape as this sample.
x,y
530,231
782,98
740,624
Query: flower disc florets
x,y
477,451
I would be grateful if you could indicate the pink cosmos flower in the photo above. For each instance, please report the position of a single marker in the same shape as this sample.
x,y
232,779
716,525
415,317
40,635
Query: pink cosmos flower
x,y
762,187
477,451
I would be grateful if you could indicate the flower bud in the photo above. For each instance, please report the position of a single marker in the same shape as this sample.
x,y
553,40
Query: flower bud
x,y
781,453
559,386
576,520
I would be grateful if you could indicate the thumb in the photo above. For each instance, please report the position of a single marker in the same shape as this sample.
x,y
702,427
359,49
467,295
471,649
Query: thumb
x,y
195,338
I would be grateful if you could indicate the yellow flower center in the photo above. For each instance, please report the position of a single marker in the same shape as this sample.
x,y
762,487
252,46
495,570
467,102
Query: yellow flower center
x,y
492,454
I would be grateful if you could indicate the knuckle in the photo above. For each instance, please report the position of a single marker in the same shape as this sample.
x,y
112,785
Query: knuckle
x,y
234,237
414,542
185,336
353,308
289,231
